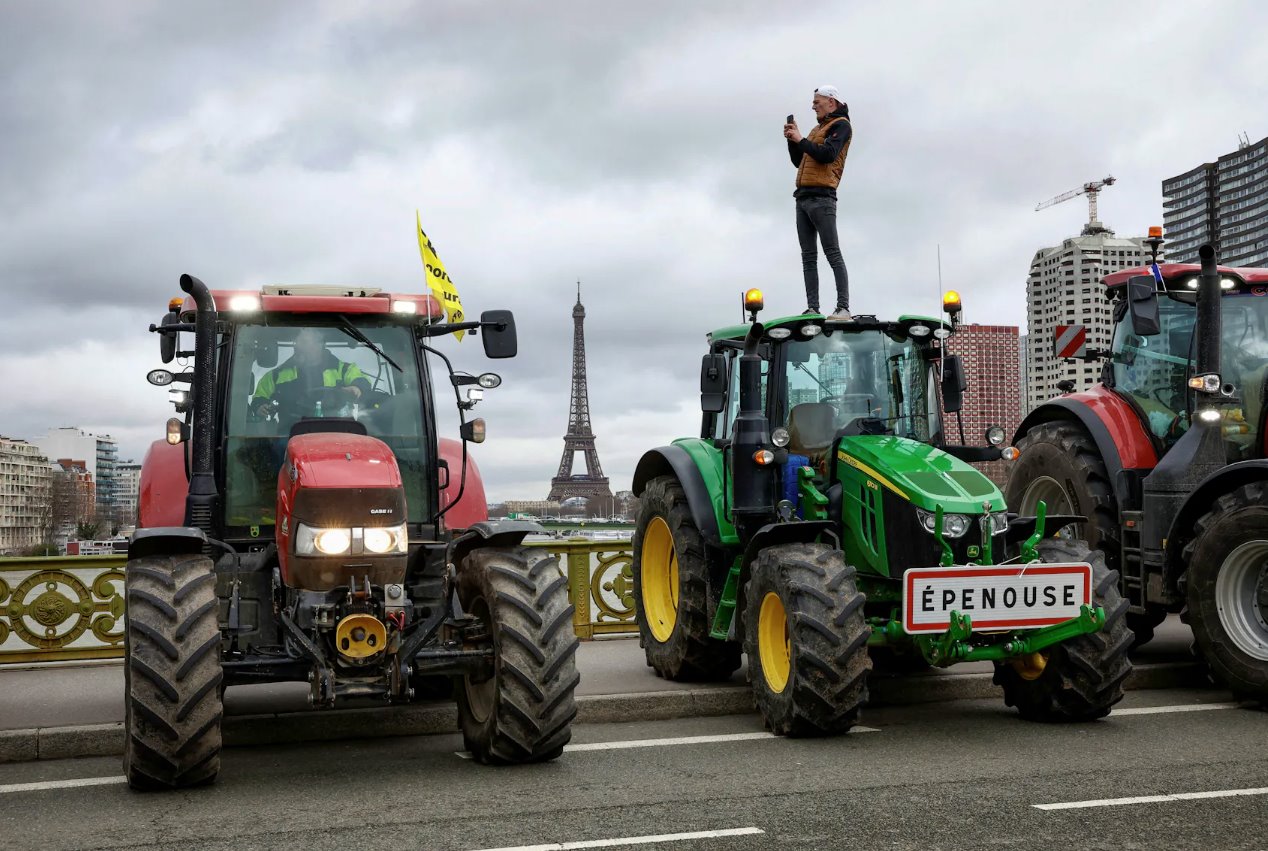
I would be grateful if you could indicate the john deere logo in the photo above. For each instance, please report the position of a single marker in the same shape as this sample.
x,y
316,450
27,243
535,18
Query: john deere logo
x,y
974,551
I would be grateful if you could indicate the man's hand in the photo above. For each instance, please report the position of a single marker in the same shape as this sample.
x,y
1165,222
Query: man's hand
x,y
791,133
352,390
264,409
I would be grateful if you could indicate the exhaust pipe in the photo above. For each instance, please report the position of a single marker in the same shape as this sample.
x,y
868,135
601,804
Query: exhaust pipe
x,y
1207,326
200,504
752,485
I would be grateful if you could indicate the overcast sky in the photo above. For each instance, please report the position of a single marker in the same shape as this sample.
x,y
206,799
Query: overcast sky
x,y
636,147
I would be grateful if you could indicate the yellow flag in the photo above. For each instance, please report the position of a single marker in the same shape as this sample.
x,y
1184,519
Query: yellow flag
x,y
438,280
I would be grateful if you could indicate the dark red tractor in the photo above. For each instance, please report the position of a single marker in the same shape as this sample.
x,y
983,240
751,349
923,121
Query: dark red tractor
x,y
304,521
1167,458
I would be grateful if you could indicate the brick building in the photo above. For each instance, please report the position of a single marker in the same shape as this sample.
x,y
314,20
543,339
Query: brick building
x,y
992,363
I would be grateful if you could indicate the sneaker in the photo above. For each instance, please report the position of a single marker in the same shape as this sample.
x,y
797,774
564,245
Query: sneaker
x,y
841,315
810,311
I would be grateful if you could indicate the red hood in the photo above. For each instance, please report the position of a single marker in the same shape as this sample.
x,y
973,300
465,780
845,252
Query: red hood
x,y
336,460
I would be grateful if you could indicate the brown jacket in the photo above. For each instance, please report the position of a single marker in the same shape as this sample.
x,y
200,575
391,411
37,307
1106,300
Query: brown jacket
x,y
820,156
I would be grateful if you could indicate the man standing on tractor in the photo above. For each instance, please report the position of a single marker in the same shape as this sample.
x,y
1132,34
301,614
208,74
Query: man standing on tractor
x,y
297,387
820,159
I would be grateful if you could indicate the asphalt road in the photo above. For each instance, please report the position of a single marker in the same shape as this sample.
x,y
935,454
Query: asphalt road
x,y
965,774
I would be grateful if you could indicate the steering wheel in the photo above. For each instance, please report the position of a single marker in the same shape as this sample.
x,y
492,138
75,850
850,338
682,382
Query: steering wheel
x,y
304,403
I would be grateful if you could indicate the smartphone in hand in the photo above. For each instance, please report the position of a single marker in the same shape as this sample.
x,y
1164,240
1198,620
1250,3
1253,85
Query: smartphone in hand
x,y
789,120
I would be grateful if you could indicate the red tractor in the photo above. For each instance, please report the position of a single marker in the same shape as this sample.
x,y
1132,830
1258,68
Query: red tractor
x,y
304,522
1167,458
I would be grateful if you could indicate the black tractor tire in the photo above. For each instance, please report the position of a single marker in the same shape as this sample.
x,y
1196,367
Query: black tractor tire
x,y
172,674
1226,590
1064,454
687,653
826,663
523,712
1083,677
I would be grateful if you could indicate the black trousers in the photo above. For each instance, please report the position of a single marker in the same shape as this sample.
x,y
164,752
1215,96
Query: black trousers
x,y
817,216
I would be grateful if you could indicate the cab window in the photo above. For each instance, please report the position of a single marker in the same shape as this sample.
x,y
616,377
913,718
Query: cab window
x,y
284,373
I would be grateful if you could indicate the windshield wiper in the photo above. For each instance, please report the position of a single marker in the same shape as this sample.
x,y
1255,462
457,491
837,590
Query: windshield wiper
x,y
355,333
822,386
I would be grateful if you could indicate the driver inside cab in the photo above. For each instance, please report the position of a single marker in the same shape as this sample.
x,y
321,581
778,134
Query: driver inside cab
x,y
312,374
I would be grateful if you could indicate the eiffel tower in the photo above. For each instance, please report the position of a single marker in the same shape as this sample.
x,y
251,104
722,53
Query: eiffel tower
x,y
580,437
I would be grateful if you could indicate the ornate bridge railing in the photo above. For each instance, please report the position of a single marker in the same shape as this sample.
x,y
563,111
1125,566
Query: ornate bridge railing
x,y
71,607
600,582
61,608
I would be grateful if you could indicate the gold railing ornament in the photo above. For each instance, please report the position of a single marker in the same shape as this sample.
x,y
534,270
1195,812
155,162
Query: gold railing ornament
x,y
45,608
589,564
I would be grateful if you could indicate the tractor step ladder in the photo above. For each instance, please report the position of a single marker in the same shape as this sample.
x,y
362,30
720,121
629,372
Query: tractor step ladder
x,y
724,618
1131,565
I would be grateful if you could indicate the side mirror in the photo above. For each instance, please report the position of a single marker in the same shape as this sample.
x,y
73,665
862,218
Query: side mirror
x,y
167,342
953,384
713,384
1142,303
497,328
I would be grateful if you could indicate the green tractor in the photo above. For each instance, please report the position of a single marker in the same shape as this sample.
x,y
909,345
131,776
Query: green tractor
x,y
854,534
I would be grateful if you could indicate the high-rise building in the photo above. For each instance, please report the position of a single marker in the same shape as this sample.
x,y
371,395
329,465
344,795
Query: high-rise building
x,y
989,354
100,453
1064,288
1224,203
127,492
25,509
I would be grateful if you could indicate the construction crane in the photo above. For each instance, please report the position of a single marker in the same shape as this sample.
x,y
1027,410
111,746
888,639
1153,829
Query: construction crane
x,y
1091,190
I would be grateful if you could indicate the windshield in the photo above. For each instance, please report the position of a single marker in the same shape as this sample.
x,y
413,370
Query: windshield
x,y
1154,370
861,376
284,371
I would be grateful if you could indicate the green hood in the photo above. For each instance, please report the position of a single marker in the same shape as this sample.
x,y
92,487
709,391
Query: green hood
x,y
919,473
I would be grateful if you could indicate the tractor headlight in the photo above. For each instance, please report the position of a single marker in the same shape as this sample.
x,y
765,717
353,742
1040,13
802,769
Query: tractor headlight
x,y
995,435
326,542
375,540
953,525
386,539
999,523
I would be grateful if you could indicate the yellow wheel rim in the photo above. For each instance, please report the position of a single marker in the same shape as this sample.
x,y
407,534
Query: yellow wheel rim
x,y
659,572
1030,666
772,642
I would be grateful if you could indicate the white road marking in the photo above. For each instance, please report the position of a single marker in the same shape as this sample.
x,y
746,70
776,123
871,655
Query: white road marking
x,y
1152,799
634,840
680,740
61,784
1184,707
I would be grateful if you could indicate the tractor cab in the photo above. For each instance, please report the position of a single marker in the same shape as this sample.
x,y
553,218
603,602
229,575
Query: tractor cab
x,y
823,380
1151,366
297,374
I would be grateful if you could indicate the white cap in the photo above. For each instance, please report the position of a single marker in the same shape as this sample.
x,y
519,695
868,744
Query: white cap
x,y
829,92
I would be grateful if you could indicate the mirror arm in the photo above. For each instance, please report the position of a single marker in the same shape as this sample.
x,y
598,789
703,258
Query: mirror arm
x,y
439,330
174,328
